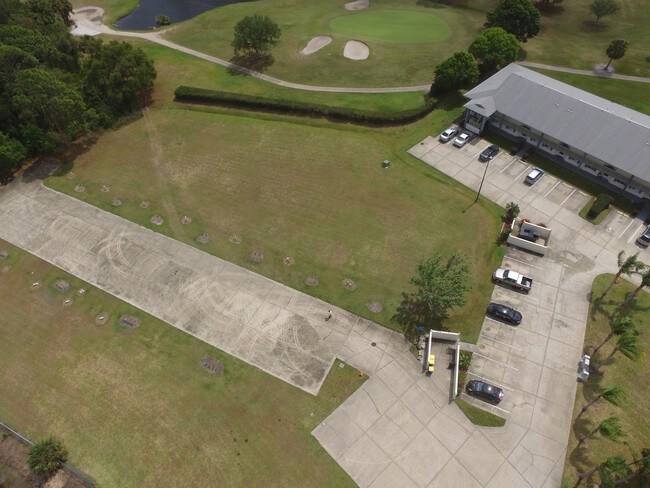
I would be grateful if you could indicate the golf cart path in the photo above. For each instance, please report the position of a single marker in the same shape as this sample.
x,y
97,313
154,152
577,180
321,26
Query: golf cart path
x,y
88,22
596,73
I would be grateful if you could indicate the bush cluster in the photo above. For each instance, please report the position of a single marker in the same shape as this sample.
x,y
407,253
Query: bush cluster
x,y
256,102
601,203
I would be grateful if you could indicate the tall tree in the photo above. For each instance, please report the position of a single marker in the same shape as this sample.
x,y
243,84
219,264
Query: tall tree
x,y
610,428
255,33
518,17
614,395
455,72
494,48
616,50
612,470
603,8
46,456
626,265
619,325
628,345
46,12
645,281
12,153
440,287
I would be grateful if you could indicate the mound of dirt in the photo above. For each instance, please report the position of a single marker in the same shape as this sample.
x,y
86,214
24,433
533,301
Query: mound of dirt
x,y
212,365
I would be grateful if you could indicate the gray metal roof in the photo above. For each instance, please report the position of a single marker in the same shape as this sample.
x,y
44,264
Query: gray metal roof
x,y
610,132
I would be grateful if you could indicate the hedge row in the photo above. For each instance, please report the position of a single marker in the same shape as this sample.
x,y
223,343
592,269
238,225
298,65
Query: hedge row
x,y
255,102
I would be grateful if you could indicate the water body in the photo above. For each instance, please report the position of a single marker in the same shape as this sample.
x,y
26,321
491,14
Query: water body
x,y
144,16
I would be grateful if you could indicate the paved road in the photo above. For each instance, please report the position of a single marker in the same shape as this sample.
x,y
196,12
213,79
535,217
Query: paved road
x,y
88,21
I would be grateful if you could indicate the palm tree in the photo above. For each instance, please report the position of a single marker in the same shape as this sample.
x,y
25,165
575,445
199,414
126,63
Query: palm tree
x,y
645,281
628,345
607,464
610,428
627,266
619,325
46,456
614,395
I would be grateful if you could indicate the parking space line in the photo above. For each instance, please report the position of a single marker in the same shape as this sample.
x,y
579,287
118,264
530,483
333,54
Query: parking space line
x,y
523,262
495,361
558,182
496,383
495,340
583,194
635,233
570,194
522,173
479,153
508,165
625,230
493,406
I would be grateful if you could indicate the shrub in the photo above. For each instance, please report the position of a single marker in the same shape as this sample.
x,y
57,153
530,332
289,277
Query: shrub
x,y
601,203
503,236
465,360
46,456
255,102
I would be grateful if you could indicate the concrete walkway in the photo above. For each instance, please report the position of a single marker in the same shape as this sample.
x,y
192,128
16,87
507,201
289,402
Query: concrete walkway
x,y
597,73
88,22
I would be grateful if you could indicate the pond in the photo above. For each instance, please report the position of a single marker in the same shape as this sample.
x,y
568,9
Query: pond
x,y
144,16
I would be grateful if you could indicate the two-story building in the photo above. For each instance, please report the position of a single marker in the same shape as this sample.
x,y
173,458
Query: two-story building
x,y
577,129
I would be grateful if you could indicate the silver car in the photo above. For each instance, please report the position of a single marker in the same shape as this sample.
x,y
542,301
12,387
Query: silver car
x,y
644,239
533,176
462,139
447,135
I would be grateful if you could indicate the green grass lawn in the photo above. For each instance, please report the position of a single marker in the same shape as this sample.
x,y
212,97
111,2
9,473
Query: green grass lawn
x,y
389,64
478,416
633,377
400,26
303,188
134,406
569,38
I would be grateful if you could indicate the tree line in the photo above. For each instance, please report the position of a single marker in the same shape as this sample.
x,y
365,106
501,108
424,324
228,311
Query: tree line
x,y
56,88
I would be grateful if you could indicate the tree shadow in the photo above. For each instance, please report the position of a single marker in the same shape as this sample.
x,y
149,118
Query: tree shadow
x,y
592,26
522,54
441,3
250,61
41,169
549,10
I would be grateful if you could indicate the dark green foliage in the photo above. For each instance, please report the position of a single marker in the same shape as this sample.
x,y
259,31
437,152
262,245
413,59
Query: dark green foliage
x,y
255,102
601,203
117,78
439,287
162,19
255,33
616,50
518,17
12,152
602,8
493,49
457,71
46,456
54,87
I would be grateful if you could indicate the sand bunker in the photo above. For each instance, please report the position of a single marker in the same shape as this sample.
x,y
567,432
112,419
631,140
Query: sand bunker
x,y
87,21
357,5
316,44
356,50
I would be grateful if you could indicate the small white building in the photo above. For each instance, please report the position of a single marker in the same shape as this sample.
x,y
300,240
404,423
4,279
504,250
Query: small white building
x,y
572,127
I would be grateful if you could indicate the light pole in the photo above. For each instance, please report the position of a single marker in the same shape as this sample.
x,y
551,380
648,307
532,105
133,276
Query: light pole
x,y
478,194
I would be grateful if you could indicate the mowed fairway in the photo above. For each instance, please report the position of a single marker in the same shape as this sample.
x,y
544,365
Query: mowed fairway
x,y
391,63
315,194
134,406
402,26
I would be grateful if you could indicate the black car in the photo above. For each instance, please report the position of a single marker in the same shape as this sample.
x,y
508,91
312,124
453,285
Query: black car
x,y
489,153
505,313
485,391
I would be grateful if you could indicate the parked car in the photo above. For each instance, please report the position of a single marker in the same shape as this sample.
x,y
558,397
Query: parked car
x,y
505,313
513,279
485,391
489,153
462,139
533,176
448,135
644,239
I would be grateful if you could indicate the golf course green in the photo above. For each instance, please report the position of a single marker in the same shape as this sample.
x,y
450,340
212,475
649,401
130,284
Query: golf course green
x,y
403,26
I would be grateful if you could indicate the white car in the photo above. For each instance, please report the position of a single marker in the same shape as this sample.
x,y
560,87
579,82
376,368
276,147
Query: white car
x,y
447,135
462,139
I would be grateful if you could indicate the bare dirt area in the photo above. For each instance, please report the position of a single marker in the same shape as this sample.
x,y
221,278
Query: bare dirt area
x,y
15,473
